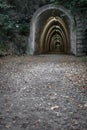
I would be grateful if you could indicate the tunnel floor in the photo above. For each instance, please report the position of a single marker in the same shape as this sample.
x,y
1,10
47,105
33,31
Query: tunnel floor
x,y
44,92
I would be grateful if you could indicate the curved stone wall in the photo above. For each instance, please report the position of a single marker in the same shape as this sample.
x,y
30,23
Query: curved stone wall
x,y
47,24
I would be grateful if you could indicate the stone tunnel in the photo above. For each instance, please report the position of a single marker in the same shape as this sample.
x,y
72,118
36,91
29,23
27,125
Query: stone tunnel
x,y
52,30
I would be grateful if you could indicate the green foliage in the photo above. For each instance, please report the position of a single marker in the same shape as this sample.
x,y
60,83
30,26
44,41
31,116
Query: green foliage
x,y
3,5
3,48
9,26
71,4
5,24
84,59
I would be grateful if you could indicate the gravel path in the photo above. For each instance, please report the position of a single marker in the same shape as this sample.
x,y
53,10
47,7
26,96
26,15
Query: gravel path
x,y
45,92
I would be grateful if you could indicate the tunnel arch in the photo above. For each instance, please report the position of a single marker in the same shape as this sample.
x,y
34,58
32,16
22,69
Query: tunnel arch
x,y
64,25
59,32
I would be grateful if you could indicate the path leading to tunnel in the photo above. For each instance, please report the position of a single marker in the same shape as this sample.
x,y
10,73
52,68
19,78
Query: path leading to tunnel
x,y
45,92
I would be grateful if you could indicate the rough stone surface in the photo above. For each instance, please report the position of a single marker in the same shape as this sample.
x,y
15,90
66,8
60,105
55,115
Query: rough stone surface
x,y
81,34
46,92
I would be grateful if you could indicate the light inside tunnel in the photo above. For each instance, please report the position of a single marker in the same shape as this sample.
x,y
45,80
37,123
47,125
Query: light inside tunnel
x,y
54,37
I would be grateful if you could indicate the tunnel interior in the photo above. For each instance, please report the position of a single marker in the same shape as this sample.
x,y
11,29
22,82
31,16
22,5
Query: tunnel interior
x,y
54,37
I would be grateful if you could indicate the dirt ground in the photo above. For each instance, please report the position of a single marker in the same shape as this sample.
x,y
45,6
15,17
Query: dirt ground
x,y
43,92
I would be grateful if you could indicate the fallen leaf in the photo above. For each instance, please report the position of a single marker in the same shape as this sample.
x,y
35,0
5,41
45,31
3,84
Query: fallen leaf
x,y
14,121
53,97
8,126
75,122
36,123
64,96
85,105
55,108
79,105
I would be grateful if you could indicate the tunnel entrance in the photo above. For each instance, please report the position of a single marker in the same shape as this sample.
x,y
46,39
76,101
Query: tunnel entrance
x,y
54,37
52,30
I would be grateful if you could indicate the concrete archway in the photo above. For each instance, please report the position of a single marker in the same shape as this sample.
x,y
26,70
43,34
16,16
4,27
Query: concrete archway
x,y
49,23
